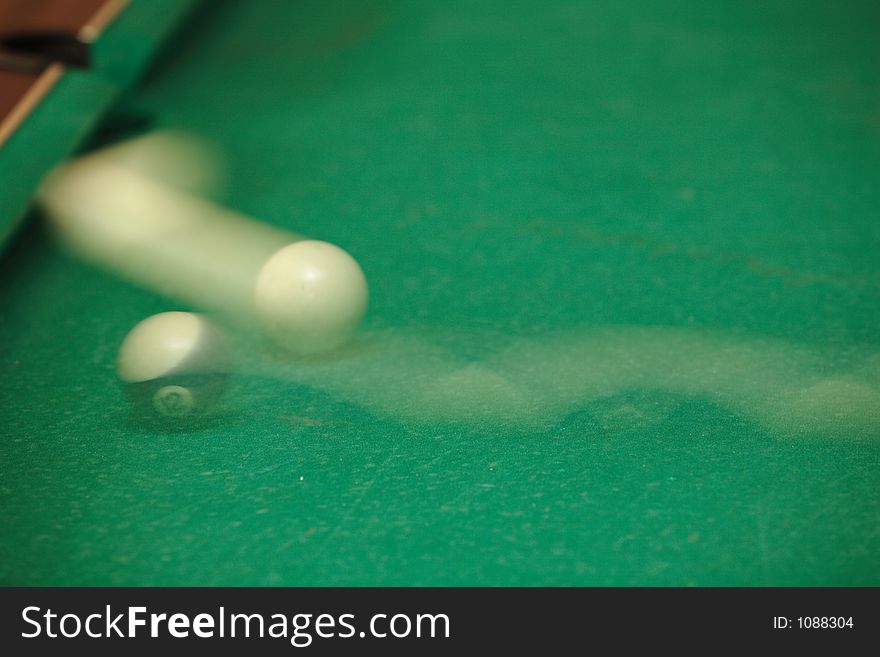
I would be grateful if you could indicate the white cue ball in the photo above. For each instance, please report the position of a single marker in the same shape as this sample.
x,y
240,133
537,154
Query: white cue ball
x,y
310,296
174,365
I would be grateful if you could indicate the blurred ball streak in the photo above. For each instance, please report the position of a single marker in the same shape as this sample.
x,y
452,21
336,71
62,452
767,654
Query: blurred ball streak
x,y
129,209
159,237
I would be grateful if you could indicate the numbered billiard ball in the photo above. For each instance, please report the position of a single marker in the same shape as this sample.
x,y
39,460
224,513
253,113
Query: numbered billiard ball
x,y
174,366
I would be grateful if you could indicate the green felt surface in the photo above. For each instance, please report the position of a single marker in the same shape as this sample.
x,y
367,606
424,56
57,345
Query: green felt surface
x,y
623,324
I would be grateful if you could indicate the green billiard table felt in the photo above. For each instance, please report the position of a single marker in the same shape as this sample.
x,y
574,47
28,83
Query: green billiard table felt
x,y
624,305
